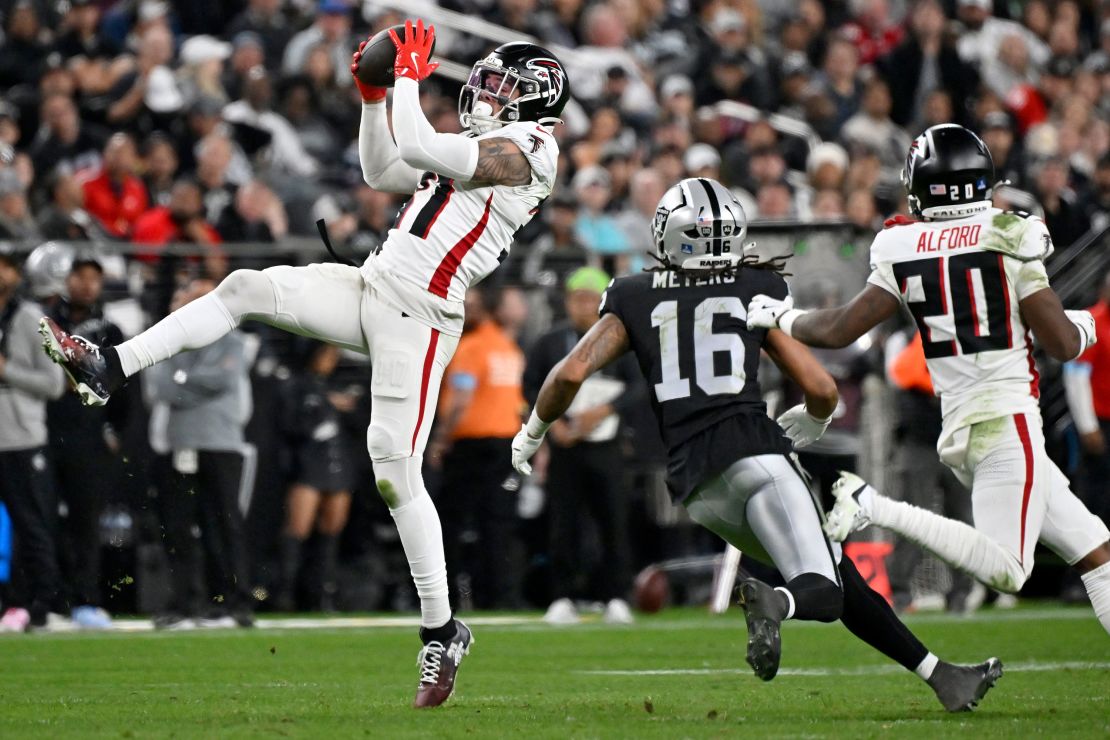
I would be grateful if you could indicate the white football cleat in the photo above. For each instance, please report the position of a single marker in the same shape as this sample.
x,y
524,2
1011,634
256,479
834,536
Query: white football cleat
x,y
851,512
617,612
561,612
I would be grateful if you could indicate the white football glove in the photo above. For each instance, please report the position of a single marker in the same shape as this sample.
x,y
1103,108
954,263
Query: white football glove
x,y
801,427
1085,322
764,311
524,446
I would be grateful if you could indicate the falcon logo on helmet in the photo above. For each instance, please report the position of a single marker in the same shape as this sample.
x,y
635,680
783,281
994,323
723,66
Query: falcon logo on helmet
x,y
551,71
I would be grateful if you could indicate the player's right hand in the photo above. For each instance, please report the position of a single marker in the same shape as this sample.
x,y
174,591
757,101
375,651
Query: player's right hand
x,y
370,93
524,447
801,427
764,311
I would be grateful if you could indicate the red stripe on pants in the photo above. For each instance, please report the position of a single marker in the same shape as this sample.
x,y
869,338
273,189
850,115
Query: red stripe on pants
x,y
425,375
1027,447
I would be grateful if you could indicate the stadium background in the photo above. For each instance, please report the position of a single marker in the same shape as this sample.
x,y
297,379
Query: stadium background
x,y
805,109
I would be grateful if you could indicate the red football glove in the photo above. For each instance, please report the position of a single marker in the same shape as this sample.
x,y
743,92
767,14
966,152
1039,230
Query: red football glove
x,y
370,94
414,52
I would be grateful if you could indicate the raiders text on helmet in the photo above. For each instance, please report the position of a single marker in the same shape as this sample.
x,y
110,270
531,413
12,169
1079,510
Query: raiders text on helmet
x,y
699,225
949,173
517,67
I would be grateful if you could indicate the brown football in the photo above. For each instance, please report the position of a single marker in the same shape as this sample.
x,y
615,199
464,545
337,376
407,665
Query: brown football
x,y
375,67
653,590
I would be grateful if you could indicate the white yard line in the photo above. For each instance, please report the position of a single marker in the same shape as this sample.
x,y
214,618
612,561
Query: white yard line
x,y
875,670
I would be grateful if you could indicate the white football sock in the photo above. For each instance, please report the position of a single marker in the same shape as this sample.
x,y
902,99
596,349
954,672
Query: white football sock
x,y
192,326
1097,582
417,521
958,544
926,667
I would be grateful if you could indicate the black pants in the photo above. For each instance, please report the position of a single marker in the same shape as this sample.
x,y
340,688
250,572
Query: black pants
x,y
27,490
584,481
86,476
825,469
477,505
208,498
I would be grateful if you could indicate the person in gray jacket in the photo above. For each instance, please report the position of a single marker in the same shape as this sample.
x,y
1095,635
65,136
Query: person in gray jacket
x,y
209,398
27,382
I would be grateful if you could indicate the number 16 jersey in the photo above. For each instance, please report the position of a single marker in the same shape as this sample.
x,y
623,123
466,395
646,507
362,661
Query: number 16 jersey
x,y
963,280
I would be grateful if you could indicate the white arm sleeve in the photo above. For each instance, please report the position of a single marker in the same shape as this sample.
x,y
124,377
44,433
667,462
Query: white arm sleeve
x,y
421,146
382,168
1081,403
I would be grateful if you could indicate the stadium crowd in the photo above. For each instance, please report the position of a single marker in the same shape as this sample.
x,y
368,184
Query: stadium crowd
x,y
216,123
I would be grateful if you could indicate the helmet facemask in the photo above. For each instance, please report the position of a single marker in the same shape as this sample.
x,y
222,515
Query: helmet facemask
x,y
489,78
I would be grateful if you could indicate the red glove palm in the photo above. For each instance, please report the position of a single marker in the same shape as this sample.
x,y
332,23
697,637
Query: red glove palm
x,y
370,93
414,52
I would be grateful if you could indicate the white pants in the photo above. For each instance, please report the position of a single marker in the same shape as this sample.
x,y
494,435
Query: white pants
x,y
1018,495
333,303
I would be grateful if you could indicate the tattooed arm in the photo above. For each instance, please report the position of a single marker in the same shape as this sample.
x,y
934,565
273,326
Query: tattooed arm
x,y
500,162
605,342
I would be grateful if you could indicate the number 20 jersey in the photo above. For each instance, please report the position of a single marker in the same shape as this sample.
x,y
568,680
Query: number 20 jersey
x,y
963,279
691,340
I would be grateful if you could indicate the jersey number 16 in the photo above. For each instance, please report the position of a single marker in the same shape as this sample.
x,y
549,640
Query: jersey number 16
x,y
706,344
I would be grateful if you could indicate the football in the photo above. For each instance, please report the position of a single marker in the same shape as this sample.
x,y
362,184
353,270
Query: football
x,y
375,66
653,590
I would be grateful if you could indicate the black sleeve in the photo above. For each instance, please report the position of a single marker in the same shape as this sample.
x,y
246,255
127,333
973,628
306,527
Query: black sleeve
x,y
611,301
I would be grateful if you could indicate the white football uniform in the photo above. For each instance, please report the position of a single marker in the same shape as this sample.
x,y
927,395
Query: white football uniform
x,y
963,280
451,234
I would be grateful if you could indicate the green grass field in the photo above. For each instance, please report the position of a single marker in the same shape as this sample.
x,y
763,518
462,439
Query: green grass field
x,y
679,674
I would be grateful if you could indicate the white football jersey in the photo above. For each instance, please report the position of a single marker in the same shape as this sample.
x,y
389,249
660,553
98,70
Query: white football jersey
x,y
962,280
452,234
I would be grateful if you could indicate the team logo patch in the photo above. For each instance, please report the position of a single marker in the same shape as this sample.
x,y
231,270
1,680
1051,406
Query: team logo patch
x,y
548,70
937,190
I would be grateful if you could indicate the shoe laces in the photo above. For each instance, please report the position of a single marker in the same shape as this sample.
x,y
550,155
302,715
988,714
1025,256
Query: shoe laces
x,y
429,660
86,345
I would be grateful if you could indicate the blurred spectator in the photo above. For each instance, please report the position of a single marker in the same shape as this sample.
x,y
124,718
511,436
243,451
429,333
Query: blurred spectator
x,y
82,36
984,34
647,188
213,159
774,202
862,213
181,220
595,227
209,398
65,217
702,160
1062,215
25,45
332,29
263,19
998,134
10,133
300,104
1098,211
871,29
839,80
737,69
319,497
872,128
28,379
924,62
605,40
254,110
116,196
202,66
257,216
16,219
1010,67
480,411
160,165
149,97
64,140
581,478
84,446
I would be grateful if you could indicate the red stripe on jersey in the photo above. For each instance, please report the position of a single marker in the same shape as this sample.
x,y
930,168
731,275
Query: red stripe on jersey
x,y
1027,448
1006,298
941,265
1034,376
445,273
425,376
971,300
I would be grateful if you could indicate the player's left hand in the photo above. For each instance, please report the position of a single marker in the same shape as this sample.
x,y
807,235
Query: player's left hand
x,y
801,427
414,52
524,446
764,311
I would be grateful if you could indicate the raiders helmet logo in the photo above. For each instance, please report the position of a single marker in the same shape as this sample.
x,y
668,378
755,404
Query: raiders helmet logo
x,y
660,222
548,70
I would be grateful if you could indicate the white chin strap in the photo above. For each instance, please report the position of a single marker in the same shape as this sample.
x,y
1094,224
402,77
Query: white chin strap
x,y
939,213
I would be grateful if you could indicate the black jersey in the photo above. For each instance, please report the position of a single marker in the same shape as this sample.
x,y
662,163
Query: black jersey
x,y
691,339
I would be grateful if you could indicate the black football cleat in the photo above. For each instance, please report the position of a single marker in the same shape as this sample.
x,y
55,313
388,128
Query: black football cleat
x,y
438,665
81,360
961,687
764,612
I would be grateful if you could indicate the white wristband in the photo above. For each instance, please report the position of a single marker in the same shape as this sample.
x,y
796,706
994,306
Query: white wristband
x,y
786,321
536,427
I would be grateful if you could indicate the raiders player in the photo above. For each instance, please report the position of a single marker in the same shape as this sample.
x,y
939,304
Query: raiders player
x,y
973,277
404,307
729,464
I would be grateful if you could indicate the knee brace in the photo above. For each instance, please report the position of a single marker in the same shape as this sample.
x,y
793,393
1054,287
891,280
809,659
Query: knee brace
x,y
246,292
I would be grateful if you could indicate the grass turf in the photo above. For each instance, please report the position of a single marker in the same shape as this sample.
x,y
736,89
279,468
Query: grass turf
x,y
530,680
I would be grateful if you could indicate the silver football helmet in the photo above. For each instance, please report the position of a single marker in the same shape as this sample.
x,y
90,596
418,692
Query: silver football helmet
x,y
46,269
699,225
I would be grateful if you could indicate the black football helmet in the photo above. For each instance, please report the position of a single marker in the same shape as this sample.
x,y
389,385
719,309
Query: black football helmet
x,y
949,173
540,78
